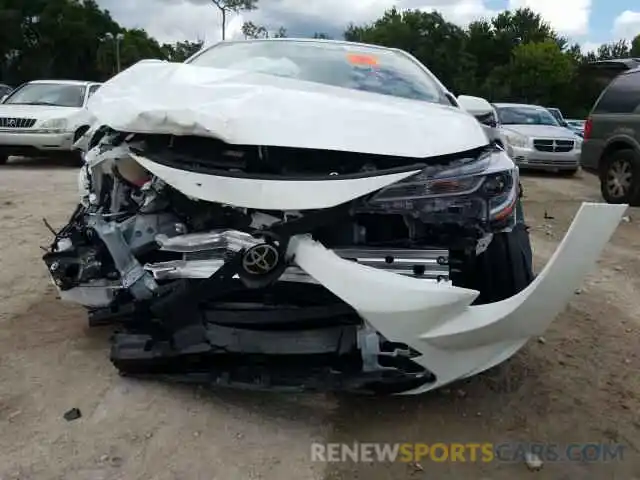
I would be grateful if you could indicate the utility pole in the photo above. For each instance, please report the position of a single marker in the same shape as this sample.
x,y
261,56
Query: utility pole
x,y
117,39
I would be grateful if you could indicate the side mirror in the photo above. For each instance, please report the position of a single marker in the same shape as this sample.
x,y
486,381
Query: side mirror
x,y
476,106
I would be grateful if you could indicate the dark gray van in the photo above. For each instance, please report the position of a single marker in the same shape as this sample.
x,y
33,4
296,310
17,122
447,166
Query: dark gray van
x,y
611,147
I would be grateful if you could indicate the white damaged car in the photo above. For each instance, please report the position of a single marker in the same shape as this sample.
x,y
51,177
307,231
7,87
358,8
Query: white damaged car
x,y
306,214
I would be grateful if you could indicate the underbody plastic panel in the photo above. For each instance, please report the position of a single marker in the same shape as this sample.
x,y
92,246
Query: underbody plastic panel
x,y
270,194
457,340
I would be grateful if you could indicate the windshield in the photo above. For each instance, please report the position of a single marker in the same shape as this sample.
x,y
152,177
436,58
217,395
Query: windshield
x,y
557,114
341,65
526,116
57,94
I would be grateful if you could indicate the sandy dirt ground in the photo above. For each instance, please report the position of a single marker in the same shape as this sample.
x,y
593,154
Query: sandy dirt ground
x,y
577,384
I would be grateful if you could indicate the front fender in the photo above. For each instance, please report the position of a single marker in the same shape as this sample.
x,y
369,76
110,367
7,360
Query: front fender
x,y
456,339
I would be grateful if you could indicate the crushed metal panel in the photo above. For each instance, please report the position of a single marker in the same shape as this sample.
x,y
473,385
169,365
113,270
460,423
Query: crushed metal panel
x,y
245,108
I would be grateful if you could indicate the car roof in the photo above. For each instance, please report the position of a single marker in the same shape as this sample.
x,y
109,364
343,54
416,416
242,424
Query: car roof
x,y
306,40
301,40
629,63
65,82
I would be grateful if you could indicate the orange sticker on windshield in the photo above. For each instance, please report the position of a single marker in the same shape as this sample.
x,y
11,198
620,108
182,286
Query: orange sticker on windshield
x,y
362,59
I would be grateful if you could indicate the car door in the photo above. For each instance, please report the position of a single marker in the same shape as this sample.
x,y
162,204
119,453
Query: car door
x,y
616,115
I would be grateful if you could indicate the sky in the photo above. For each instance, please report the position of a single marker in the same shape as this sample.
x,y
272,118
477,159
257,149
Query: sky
x,y
587,22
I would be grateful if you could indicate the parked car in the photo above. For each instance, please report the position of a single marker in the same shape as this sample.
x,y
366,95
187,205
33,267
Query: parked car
x,y
577,126
611,146
44,118
537,139
557,114
5,90
307,214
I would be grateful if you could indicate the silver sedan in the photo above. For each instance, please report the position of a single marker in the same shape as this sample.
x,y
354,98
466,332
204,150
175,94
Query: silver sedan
x,y
537,140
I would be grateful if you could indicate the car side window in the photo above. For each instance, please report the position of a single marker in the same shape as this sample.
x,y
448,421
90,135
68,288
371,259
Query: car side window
x,y
622,96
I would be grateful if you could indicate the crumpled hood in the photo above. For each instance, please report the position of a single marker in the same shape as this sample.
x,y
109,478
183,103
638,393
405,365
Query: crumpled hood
x,y
258,109
542,131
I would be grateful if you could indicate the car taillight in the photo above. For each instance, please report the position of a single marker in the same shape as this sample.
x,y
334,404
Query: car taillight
x,y
587,128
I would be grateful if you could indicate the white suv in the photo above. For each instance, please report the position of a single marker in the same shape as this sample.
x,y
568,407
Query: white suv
x,y
44,118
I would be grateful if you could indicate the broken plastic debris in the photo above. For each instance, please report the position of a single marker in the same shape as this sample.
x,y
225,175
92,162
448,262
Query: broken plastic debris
x,y
72,414
533,461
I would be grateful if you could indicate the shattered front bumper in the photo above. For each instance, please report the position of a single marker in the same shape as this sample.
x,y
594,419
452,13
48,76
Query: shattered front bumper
x,y
448,337
457,340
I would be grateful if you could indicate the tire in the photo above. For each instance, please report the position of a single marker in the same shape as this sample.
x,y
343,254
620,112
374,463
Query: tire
x,y
623,165
504,269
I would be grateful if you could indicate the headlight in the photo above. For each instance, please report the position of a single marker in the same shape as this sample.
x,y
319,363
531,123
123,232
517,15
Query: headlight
x,y
579,141
54,125
482,189
517,140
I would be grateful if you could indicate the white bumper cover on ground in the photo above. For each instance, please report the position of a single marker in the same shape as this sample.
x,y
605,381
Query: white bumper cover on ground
x,y
458,340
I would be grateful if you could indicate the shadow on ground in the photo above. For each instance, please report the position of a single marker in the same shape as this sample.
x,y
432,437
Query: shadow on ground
x,y
40,163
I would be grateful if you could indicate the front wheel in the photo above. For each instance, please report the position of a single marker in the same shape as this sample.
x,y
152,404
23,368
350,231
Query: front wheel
x,y
504,269
620,177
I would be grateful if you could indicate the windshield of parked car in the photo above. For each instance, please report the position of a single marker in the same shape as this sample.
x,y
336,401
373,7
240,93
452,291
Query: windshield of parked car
x,y
56,94
523,115
557,114
337,64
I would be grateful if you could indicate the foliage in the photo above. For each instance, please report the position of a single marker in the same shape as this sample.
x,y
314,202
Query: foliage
x,y
251,30
180,51
233,6
70,39
515,56
635,47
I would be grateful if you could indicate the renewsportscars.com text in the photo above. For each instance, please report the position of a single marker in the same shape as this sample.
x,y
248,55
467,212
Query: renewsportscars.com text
x,y
506,452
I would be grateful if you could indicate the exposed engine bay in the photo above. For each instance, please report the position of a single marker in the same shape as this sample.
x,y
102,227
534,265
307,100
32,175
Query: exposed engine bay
x,y
212,292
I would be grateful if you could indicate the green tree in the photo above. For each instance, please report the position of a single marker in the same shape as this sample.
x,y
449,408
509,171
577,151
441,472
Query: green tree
x,y
280,33
180,51
635,47
251,30
608,51
540,73
233,6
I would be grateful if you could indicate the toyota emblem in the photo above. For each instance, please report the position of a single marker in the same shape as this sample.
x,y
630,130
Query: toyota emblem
x,y
260,259
12,122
